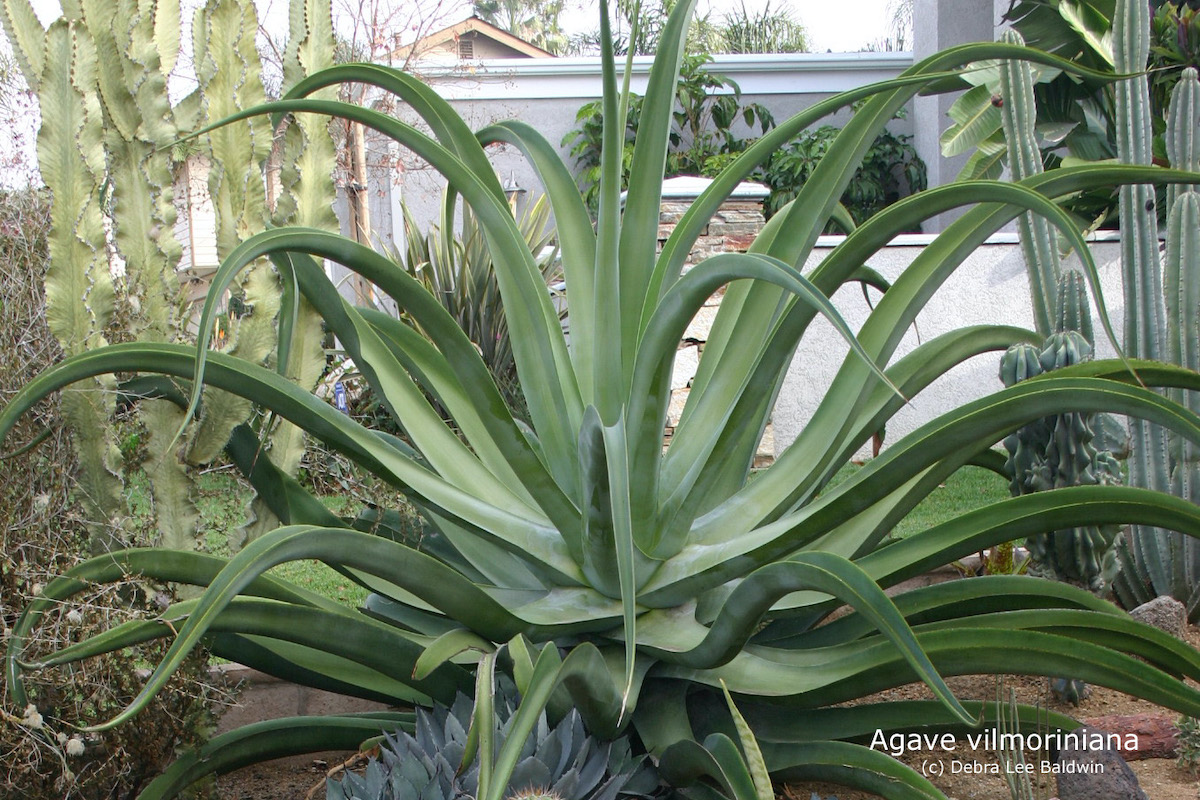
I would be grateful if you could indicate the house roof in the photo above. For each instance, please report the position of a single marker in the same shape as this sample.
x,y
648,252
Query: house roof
x,y
469,25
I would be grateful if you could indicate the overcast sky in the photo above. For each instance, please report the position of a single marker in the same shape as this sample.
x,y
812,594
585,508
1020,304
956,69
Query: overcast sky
x,y
829,25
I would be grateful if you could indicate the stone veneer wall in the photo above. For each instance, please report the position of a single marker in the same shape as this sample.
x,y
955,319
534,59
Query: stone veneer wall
x,y
731,230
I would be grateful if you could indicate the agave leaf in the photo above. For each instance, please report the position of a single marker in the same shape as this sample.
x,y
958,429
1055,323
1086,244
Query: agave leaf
x,y
750,751
275,738
832,418
639,223
1054,510
541,685
462,358
481,736
315,667
824,572
361,640
424,576
446,647
949,600
851,765
167,566
887,319
270,390
573,224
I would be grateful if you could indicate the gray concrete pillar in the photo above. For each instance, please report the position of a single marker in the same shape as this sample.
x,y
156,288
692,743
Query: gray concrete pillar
x,y
939,24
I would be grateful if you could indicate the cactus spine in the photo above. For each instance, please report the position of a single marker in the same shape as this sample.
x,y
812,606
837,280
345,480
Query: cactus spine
x,y
100,74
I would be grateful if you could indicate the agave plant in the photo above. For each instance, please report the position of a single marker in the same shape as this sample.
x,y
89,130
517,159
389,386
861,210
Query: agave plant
x,y
622,580
439,760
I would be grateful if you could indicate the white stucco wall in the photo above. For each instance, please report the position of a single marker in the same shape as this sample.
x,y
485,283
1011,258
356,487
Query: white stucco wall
x,y
549,92
990,287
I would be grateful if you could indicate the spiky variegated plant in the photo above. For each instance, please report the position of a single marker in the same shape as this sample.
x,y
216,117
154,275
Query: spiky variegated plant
x,y
100,73
626,580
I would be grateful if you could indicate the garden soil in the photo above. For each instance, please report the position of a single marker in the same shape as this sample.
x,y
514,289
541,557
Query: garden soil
x,y
1160,778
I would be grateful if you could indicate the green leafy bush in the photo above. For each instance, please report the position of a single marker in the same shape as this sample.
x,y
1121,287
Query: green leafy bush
x,y
708,106
890,170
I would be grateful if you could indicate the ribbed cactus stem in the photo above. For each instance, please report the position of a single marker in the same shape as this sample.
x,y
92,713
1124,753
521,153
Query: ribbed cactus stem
x,y
1138,213
1074,312
1183,303
1183,130
1039,243
1141,270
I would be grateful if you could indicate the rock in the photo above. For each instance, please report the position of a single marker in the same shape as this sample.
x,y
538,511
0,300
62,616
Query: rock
x,y
1155,733
1086,774
1165,613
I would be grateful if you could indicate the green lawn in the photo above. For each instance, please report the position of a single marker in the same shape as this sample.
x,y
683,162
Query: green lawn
x,y
222,504
969,488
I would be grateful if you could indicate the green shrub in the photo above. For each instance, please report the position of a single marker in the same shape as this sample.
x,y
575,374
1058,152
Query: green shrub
x,y
890,170
707,107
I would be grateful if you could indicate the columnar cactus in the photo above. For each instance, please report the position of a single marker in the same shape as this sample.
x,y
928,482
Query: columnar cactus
x,y
1058,451
1039,243
100,73
1162,323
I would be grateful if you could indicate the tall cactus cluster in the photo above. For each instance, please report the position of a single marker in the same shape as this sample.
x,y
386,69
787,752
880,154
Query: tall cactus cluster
x,y
104,149
1161,301
1162,322
1060,450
